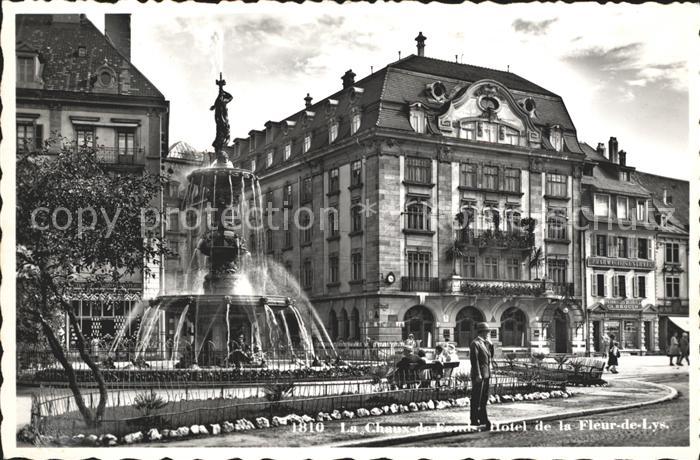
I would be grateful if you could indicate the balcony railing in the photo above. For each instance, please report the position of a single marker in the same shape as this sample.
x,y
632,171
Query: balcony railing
x,y
420,284
535,288
112,155
515,239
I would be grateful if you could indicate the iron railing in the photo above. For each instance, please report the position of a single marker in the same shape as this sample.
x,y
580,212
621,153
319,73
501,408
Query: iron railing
x,y
509,239
411,284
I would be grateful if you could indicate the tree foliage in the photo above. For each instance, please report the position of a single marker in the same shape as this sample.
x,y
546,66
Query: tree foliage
x,y
79,229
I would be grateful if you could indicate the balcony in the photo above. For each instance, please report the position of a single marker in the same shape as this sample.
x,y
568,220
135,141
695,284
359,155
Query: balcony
x,y
113,155
515,239
409,284
505,288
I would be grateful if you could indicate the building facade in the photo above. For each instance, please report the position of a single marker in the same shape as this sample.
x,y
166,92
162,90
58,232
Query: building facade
x,y
77,86
429,196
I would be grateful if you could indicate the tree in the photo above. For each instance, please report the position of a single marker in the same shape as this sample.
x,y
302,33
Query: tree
x,y
79,228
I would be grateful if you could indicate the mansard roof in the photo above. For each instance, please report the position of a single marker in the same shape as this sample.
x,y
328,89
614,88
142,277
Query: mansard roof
x,y
56,39
677,188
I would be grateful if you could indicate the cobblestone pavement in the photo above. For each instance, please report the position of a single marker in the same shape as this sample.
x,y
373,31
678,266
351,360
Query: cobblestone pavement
x,y
672,417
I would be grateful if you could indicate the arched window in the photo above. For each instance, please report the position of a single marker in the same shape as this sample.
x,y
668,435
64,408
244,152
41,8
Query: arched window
x,y
417,119
333,325
420,322
355,324
512,220
465,328
418,213
344,325
492,219
514,328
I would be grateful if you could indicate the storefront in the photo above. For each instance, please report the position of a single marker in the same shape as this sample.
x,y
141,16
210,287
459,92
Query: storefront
x,y
673,318
632,325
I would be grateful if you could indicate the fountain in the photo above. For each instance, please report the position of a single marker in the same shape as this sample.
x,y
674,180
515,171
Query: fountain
x,y
231,300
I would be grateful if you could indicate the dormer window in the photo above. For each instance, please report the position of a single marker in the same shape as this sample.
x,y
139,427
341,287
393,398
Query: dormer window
x,y
332,131
29,67
25,69
356,122
307,142
252,164
270,156
641,210
555,138
331,106
287,126
417,119
287,151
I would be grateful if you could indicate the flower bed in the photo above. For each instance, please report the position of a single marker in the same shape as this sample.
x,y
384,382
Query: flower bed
x,y
139,376
153,434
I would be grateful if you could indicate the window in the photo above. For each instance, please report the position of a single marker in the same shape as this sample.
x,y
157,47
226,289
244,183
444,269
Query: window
x,y
492,219
555,138
333,180
333,229
512,183
556,185
673,284
125,142
26,138
672,253
467,175
622,247
287,200
333,268
305,227
643,248
513,268
356,122
356,216
306,190
491,267
269,241
307,274
287,233
490,177
307,142
469,266
173,188
25,69
508,135
602,205
556,271
356,262
601,245
513,220
620,286
356,173
640,286
598,285
419,264
622,207
174,247
642,210
417,120
252,164
418,170
467,131
556,224
486,132
172,223
332,132
287,150
85,136
418,214
625,176
270,158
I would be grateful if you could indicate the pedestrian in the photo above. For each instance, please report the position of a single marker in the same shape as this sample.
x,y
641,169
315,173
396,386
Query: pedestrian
x,y
613,356
480,355
674,350
684,345
606,347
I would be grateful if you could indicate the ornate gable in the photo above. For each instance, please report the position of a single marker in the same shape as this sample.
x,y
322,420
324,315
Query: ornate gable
x,y
487,111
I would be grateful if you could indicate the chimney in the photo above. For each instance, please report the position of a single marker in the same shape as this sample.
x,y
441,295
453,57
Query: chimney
x,y
601,148
348,79
612,149
307,100
623,158
118,31
420,43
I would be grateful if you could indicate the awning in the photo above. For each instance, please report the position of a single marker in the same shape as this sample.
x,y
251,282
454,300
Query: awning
x,y
682,322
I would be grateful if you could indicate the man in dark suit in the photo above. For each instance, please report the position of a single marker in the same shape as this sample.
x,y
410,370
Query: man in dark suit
x,y
480,355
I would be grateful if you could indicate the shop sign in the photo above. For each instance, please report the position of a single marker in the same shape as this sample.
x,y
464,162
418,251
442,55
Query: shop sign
x,y
619,263
624,305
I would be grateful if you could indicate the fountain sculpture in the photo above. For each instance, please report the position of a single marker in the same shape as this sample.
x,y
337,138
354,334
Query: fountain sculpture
x,y
231,300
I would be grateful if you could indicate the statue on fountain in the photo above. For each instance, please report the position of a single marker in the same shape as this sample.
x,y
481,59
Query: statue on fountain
x,y
223,130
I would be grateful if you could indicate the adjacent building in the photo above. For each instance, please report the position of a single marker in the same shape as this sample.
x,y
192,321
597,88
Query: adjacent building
x,y
78,84
430,195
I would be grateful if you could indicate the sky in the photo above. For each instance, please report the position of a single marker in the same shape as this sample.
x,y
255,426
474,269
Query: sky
x,y
621,69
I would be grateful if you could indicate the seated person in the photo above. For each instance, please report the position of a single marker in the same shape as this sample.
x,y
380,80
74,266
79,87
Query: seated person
x,y
440,357
451,354
240,352
410,342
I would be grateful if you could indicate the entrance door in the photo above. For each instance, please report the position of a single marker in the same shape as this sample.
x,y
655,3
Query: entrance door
x,y
419,321
596,336
467,318
561,332
647,336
